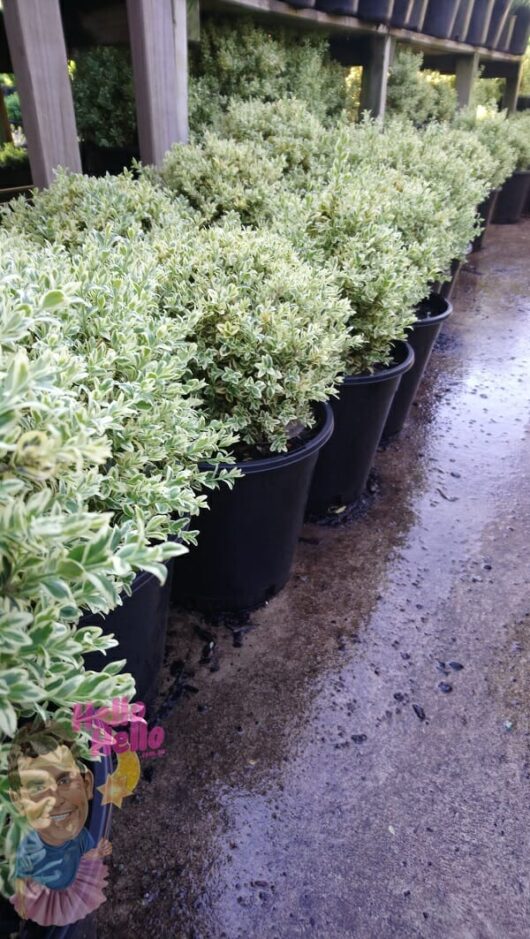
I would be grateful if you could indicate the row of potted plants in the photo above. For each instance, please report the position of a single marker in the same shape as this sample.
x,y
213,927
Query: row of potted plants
x,y
498,24
174,341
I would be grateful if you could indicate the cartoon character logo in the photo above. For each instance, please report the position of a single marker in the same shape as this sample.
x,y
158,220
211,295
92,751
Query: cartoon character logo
x,y
60,874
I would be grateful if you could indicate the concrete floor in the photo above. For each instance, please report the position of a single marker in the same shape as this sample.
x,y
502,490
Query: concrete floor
x,y
321,783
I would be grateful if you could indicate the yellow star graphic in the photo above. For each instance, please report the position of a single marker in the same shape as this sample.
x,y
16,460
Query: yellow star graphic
x,y
123,781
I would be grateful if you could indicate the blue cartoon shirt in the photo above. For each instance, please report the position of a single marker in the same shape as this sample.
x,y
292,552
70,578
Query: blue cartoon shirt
x,y
50,865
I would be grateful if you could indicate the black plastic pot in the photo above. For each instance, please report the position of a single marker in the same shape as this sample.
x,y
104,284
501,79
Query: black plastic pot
x,y
248,537
521,33
99,821
440,19
512,199
15,176
433,312
445,288
340,7
506,35
485,210
523,103
402,13
417,17
360,413
378,11
302,4
140,628
462,20
499,15
100,160
480,22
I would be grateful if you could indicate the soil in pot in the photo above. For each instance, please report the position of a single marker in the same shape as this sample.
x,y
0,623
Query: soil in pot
x,y
512,199
480,21
499,15
417,17
485,210
378,11
140,628
440,19
360,412
402,13
248,537
432,314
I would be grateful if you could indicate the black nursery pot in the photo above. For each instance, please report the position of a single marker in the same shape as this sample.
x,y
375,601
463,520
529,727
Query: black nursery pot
x,y
511,199
378,11
140,627
417,17
432,313
462,20
440,19
480,22
485,210
99,827
340,7
248,536
100,160
521,32
360,412
499,15
402,13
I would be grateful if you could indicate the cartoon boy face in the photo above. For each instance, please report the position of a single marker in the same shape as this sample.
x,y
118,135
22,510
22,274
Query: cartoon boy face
x,y
53,794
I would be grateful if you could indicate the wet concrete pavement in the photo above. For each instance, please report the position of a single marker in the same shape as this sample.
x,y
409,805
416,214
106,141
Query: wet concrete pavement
x,y
360,766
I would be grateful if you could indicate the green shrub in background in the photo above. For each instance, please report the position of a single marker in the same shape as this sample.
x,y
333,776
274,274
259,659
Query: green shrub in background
x,y
12,156
417,95
492,129
518,132
242,61
104,101
14,112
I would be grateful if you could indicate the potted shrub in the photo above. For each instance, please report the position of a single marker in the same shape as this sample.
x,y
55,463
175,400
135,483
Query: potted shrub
x,y
378,11
521,30
105,109
148,399
440,18
480,21
270,334
512,197
60,556
499,15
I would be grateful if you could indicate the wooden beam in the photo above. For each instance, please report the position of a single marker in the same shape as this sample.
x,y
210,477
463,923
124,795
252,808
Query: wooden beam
x,y
375,76
160,62
511,90
466,72
36,43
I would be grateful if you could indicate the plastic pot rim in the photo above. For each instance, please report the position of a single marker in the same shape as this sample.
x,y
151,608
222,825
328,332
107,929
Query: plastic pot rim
x,y
438,317
389,371
321,433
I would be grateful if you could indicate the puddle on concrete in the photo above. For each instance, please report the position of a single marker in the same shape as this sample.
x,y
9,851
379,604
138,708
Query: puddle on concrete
x,y
337,776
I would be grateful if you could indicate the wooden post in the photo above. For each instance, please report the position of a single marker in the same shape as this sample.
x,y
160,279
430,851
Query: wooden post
x,y
38,52
466,73
375,76
160,61
511,89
